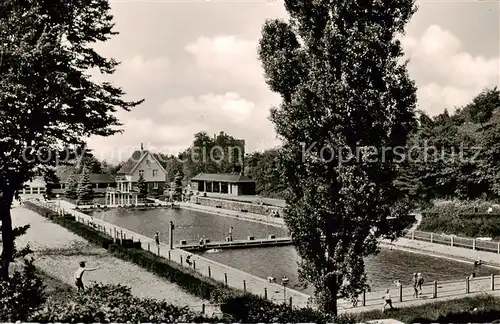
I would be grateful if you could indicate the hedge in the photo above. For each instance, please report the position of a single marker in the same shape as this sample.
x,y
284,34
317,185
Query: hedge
x,y
462,218
241,306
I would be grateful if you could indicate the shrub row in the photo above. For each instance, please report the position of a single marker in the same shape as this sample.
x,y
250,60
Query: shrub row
x,y
467,218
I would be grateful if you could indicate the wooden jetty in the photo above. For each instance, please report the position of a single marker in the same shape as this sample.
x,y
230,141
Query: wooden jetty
x,y
238,244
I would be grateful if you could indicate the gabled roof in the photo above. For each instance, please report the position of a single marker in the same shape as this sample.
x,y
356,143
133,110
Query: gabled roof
x,y
134,161
94,177
222,177
101,178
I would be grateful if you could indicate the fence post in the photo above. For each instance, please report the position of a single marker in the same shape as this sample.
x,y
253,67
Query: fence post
x,y
363,298
149,247
245,286
181,259
265,292
451,241
194,264
209,272
203,308
432,237
492,281
169,256
158,250
400,293
435,290
467,285
412,235
225,278
290,301
473,244
498,248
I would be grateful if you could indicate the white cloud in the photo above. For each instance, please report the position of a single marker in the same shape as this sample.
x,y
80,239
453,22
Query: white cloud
x,y
228,58
446,75
138,75
175,122
223,89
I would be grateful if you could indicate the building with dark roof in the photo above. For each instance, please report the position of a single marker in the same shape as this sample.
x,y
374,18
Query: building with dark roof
x,y
142,163
100,182
233,184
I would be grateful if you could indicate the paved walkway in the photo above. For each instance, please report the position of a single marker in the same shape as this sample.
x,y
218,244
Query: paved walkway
x,y
59,251
276,221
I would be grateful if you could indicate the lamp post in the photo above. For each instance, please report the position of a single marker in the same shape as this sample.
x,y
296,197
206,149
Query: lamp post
x,y
284,282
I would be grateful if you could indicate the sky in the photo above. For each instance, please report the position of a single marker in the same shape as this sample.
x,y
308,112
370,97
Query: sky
x,y
195,63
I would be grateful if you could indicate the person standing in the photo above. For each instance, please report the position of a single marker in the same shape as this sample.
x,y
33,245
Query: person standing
x,y
79,276
231,234
415,285
420,282
157,238
388,300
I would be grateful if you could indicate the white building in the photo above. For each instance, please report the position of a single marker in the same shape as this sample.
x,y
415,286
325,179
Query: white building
x,y
34,188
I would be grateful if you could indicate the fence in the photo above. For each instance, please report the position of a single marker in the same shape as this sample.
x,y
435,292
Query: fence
x,y
433,290
444,239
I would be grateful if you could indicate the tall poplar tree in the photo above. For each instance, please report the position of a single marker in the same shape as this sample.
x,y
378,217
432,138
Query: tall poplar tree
x,y
48,99
344,88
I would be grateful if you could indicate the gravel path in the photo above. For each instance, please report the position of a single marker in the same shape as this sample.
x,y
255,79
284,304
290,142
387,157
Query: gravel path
x,y
58,253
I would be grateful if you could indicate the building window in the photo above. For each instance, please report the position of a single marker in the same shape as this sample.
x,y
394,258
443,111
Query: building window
x,y
155,185
141,173
155,173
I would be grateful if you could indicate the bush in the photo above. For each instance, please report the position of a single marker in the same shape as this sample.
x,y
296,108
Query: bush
x,y
21,294
253,309
461,218
113,303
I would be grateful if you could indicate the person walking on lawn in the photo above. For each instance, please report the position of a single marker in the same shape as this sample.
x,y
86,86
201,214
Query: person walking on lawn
x,y
79,276
388,300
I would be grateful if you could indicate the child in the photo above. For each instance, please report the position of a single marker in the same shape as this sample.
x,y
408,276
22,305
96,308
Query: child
x,y
388,300
79,276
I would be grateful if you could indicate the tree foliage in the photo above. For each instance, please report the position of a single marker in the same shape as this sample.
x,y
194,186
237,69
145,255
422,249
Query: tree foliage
x,y
47,97
458,153
264,169
85,191
71,189
177,188
142,186
219,154
337,68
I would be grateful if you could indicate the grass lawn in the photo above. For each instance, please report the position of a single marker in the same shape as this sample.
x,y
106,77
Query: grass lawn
x,y
55,289
479,309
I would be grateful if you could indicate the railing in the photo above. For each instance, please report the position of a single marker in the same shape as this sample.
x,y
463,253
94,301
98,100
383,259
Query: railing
x,y
451,240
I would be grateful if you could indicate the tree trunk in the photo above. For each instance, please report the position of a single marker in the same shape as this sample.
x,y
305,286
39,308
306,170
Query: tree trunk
x,y
331,304
7,233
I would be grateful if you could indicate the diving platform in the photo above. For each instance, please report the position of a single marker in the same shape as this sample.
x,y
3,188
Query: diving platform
x,y
236,244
